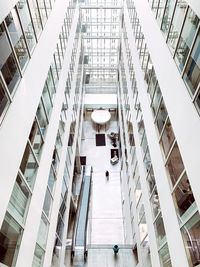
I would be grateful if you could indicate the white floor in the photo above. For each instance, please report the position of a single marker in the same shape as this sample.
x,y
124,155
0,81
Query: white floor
x,y
105,226
105,217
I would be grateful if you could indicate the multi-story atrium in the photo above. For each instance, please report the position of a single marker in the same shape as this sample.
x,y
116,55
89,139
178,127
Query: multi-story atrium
x,y
99,133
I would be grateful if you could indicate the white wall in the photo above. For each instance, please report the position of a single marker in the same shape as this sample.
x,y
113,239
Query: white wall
x,y
194,4
183,115
5,8
29,239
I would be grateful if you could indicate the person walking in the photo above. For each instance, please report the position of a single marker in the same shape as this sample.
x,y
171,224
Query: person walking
x,y
107,175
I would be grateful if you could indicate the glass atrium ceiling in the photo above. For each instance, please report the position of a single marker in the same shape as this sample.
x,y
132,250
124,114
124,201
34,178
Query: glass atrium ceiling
x,y
101,38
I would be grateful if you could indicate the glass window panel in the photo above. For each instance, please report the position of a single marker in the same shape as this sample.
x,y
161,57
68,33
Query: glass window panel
x,y
17,38
145,252
160,230
147,160
191,236
167,138
161,9
51,180
165,256
10,235
43,232
54,72
42,118
144,143
168,16
138,191
176,24
197,101
143,228
186,38
8,64
183,196
19,199
175,164
43,11
60,227
35,16
35,138
47,100
151,180
38,257
29,166
155,203
26,24
56,252
47,203
192,71
50,85
152,83
161,117
156,99
3,99
55,159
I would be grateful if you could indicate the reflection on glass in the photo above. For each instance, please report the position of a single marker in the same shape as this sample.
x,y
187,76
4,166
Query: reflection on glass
x,y
10,235
60,227
56,252
167,16
191,237
8,64
43,232
145,249
143,228
38,256
42,118
161,117
160,11
176,24
175,164
26,24
186,38
42,11
36,17
152,83
183,196
47,203
156,99
160,230
155,203
138,191
29,166
197,101
47,100
19,199
17,38
192,71
36,139
51,180
165,256
147,160
167,138
3,99
151,180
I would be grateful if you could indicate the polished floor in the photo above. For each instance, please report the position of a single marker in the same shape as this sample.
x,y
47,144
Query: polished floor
x,y
105,225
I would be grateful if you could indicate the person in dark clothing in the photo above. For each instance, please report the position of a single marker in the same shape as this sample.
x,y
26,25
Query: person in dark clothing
x,y
107,175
